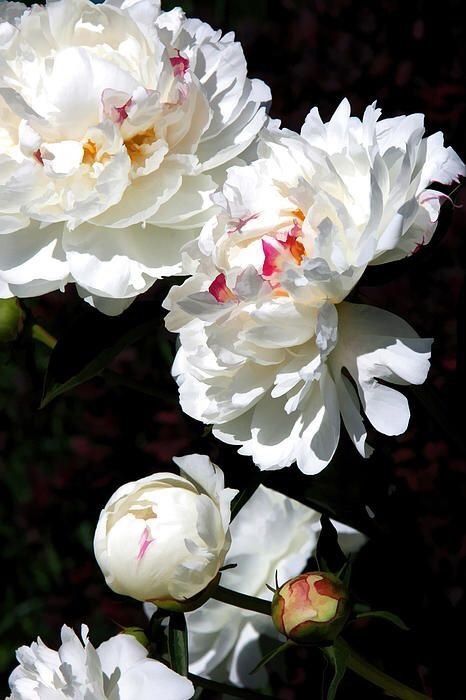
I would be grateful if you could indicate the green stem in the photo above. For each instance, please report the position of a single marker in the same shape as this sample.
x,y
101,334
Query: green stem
x,y
363,668
43,336
247,602
226,689
178,643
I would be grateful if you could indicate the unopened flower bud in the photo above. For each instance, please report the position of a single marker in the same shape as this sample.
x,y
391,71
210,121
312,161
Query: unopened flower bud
x,y
311,608
11,320
138,634
164,538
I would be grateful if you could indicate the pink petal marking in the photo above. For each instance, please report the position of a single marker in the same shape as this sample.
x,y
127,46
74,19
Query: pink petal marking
x,y
180,65
239,224
440,196
122,112
116,105
144,543
296,230
38,156
220,291
271,259
418,246
289,246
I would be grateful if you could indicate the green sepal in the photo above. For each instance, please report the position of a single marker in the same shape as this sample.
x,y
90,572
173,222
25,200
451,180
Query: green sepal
x,y
329,554
337,658
189,604
271,655
384,615
138,633
11,320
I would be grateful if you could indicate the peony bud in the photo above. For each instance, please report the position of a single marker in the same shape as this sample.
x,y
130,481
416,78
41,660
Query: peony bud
x,y
311,608
164,538
11,320
138,634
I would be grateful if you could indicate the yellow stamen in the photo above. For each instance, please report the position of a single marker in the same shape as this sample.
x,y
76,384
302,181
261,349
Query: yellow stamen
x,y
297,250
90,152
135,144
298,214
279,292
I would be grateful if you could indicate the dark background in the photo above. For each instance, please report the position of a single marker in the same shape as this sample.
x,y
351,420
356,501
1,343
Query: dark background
x,y
59,465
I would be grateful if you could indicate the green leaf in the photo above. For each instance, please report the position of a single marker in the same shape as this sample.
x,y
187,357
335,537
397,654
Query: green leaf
x,y
328,552
178,643
337,658
345,572
92,341
361,608
271,655
385,615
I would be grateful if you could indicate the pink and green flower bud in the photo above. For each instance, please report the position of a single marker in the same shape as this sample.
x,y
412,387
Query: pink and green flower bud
x,y
11,320
311,608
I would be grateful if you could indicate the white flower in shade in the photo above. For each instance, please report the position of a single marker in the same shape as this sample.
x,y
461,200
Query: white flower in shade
x,y
117,121
271,354
271,533
117,670
165,537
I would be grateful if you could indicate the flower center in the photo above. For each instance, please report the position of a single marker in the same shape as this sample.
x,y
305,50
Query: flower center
x,y
137,144
143,513
90,152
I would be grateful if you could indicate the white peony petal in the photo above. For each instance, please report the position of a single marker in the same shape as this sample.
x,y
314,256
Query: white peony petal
x,y
138,683
32,268
351,415
122,651
123,261
369,351
119,670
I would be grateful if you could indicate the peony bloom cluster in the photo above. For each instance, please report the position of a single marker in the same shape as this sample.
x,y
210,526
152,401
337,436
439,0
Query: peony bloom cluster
x,y
271,353
117,670
271,534
164,538
117,123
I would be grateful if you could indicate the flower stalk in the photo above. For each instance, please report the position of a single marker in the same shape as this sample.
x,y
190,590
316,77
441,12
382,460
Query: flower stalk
x,y
371,673
43,336
225,688
240,600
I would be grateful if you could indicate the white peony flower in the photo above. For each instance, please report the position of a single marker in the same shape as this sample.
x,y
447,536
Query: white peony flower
x,y
117,121
117,670
271,533
165,537
270,352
